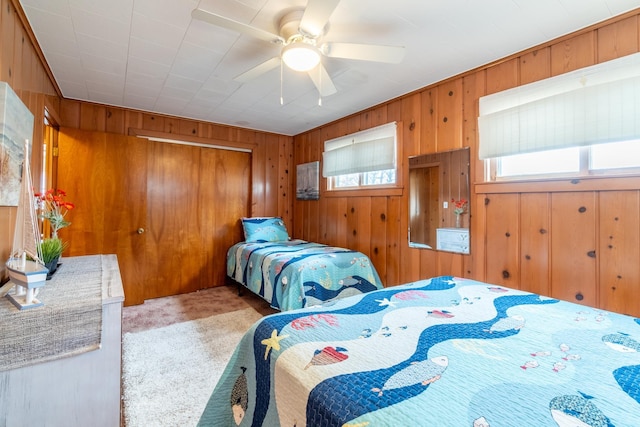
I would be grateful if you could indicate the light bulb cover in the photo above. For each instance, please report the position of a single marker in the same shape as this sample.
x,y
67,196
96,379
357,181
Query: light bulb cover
x,y
300,56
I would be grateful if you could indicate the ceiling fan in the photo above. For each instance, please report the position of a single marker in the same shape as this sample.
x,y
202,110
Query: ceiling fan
x,y
300,33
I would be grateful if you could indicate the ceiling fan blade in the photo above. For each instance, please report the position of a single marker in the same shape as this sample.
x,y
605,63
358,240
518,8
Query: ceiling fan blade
x,y
316,15
258,70
230,24
364,52
322,80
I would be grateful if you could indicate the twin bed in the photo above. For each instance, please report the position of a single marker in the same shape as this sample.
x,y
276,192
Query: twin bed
x,y
292,274
440,352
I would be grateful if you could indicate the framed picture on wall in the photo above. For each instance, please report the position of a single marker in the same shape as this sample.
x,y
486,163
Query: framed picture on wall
x,y
308,181
16,127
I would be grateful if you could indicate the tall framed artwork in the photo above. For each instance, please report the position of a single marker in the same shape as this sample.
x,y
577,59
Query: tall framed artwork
x,y
308,181
16,126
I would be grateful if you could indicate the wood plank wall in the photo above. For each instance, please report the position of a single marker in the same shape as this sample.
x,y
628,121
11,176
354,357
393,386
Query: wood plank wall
x,y
529,237
22,69
580,242
272,185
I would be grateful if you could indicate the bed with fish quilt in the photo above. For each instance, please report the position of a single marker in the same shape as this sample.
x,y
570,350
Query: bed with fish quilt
x,y
295,273
440,352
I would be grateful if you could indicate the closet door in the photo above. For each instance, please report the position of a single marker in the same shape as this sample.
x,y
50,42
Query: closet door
x,y
169,212
195,197
104,175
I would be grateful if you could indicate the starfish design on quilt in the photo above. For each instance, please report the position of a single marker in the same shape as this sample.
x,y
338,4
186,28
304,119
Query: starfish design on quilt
x,y
272,342
386,301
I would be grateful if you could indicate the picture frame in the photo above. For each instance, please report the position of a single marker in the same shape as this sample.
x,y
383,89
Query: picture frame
x,y
16,127
308,181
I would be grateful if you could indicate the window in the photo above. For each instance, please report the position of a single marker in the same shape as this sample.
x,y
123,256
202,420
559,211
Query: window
x,y
616,155
363,179
580,123
613,158
361,160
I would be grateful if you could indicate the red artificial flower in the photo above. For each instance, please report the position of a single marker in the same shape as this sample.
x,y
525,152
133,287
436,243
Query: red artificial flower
x,y
53,208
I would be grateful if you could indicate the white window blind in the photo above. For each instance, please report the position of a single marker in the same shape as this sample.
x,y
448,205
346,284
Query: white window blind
x,y
366,151
593,105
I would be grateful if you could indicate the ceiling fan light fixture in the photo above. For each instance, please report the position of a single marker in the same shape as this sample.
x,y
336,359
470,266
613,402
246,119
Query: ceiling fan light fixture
x,y
300,56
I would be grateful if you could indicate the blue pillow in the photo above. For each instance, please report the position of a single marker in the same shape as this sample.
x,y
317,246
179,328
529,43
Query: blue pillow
x,y
269,229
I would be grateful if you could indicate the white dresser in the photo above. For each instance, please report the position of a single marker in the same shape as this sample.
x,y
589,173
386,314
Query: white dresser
x,y
453,240
79,390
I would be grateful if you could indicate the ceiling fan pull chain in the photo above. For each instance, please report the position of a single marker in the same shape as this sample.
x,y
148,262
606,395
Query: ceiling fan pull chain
x,y
281,96
320,91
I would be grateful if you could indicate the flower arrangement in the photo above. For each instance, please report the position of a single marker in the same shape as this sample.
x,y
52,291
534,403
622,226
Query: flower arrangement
x,y
459,206
54,208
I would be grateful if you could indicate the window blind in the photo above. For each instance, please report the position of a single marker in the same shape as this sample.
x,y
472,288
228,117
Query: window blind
x,y
366,151
593,105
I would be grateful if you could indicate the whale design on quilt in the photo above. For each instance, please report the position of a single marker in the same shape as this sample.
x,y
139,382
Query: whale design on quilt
x,y
577,411
621,342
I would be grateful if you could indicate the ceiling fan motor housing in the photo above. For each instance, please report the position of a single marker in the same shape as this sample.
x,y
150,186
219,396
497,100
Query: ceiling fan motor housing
x,y
290,29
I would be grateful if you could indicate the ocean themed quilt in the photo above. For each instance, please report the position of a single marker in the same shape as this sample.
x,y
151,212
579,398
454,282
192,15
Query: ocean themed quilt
x,y
296,273
440,352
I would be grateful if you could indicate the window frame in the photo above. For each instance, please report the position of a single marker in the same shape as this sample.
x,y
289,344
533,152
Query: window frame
x,y
395,189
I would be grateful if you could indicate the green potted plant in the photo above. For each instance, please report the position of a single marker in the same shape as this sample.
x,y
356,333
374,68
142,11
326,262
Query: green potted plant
x,y
52,248
53,208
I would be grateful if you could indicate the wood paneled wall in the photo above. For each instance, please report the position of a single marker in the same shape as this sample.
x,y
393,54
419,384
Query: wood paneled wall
x,y
531,236
272,154
22,69
580,242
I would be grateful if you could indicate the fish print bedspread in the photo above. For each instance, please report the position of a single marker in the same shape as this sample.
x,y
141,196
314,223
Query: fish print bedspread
x,y
440,352
295,274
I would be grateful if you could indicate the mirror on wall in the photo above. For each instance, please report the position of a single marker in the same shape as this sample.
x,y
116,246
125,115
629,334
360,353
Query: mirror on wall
x,y
439,195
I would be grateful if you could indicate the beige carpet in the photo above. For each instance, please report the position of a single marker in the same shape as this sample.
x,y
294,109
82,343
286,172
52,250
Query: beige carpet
x,y
159,312
170,372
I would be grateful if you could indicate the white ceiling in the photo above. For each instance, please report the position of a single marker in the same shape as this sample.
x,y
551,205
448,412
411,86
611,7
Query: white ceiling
x,y
151,55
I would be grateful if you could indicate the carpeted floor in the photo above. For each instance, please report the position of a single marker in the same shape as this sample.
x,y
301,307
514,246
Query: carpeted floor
x,y
159,312
156,318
